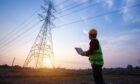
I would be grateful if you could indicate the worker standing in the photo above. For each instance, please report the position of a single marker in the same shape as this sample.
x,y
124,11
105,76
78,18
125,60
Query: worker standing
x,y
95,57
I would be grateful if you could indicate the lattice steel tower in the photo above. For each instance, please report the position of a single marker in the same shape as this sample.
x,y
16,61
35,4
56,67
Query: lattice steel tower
x,y
42,49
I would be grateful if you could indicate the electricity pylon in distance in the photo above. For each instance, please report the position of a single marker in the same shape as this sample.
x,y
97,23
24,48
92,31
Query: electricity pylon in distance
x,y
41,52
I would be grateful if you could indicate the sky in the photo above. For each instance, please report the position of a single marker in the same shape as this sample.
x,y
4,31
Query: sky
x,y
117,23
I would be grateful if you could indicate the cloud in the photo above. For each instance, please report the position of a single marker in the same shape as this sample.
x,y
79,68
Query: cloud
x,y
61,7
85,32
84,19
81,43
135,30
80,1
107,18
109,3
123,37
130,14
117,48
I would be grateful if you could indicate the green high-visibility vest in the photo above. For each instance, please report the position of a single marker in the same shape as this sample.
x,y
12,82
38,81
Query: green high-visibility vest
x,y
97,57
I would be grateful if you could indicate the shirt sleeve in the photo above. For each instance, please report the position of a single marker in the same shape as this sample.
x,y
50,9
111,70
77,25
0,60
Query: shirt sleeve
x,y
93,45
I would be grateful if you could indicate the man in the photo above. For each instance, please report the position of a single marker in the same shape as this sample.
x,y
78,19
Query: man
x,y
95,57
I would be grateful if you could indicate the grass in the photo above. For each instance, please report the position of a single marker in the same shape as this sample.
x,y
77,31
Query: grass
x,y
65,76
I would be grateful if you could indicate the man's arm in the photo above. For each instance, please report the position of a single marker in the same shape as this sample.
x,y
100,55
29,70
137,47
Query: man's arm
x,y
93,46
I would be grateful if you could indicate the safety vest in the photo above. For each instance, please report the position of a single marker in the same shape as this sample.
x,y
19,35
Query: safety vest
x,y
97,57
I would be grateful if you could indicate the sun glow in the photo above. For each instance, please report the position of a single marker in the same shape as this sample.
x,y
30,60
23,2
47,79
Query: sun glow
x,y
48,63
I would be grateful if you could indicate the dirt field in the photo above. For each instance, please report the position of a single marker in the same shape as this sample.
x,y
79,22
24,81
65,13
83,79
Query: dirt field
x,y
63,76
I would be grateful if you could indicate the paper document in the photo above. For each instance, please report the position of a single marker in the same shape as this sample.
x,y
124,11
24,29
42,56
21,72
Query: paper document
x,y
79,51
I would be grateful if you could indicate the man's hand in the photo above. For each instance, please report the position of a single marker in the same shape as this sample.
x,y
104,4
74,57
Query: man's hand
x,y
83,54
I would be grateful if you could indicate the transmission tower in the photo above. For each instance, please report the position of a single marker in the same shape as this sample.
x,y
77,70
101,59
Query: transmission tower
x,y
42,49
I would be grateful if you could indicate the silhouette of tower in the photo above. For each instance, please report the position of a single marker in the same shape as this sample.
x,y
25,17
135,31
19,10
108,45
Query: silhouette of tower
x,y
42,49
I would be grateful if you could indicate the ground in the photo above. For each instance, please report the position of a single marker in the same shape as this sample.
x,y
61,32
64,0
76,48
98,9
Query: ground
x,y
65,76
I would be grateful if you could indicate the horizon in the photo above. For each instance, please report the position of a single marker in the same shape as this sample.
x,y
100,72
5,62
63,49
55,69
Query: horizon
x,y
117,23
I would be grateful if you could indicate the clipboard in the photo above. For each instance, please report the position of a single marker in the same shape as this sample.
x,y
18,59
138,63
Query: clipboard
x,y
79,51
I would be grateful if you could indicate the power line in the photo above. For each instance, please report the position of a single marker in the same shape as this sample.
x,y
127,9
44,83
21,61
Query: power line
x,y
16,44
61,3
23,44
98,15
17,31
94,4
5,51
31,21
42,46
12,40
12,31
16,34
23,23
117,10
73,7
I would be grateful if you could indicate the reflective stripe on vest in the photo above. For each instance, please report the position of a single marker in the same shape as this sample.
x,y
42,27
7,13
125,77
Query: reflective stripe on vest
x,y
97,57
